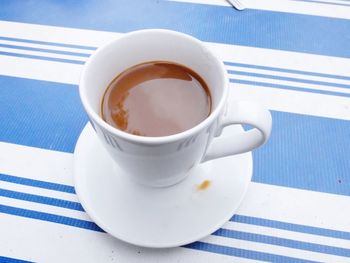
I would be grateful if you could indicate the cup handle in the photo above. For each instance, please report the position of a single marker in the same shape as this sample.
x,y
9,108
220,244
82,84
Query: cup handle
x,y
241,112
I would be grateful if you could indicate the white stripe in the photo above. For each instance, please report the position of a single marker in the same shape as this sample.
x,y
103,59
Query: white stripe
x,y
40,53
208,2
334,1
54,34
341,2
27,238
282,59
44,208
291,83
294,101
49,71
300,76
43,46
35,163
288,6
270,231
274,249
297,206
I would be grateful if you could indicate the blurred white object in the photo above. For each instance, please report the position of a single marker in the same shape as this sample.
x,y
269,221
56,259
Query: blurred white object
x,y
237,4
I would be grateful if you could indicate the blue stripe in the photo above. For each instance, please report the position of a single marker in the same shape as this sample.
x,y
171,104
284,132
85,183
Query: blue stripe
x,y
64,220
41,199
42,58
323,2
277,241
294,71
13,260
46,43
243,253
267,76
280,86
290,226
40,113
305,152
37,183
45,50
286,31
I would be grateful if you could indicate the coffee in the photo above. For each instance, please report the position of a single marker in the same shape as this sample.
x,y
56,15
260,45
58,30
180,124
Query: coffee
x,y
156,98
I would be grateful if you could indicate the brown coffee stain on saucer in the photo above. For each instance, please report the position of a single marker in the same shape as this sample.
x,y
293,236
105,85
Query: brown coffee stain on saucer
x,y
204,185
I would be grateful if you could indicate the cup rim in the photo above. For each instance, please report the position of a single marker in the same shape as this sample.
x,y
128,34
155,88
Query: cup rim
x,y
145,139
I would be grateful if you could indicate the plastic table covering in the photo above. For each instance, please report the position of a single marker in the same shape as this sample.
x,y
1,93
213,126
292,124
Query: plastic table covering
x,y
290,55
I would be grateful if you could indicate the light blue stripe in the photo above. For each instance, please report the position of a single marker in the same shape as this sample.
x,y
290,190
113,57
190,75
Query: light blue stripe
x,y
290,226
45,50
294,71
280,86
307,81
37,183
64,220
41,199
256,28
42,58
244,253
278,241
322,2
46,43
13,260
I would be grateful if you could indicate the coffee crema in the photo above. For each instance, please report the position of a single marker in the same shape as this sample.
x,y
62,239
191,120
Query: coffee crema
x,y
156,98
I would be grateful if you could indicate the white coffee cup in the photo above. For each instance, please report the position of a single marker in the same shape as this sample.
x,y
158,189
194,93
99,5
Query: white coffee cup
x,y
164,161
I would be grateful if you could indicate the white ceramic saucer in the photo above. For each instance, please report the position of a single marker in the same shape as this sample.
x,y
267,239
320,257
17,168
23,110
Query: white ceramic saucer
x,y
157,217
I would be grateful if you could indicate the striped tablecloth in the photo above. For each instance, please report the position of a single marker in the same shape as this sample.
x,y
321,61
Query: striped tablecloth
x,y
290,55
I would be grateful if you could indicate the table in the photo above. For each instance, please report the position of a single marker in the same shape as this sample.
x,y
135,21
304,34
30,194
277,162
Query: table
x,y
290,55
